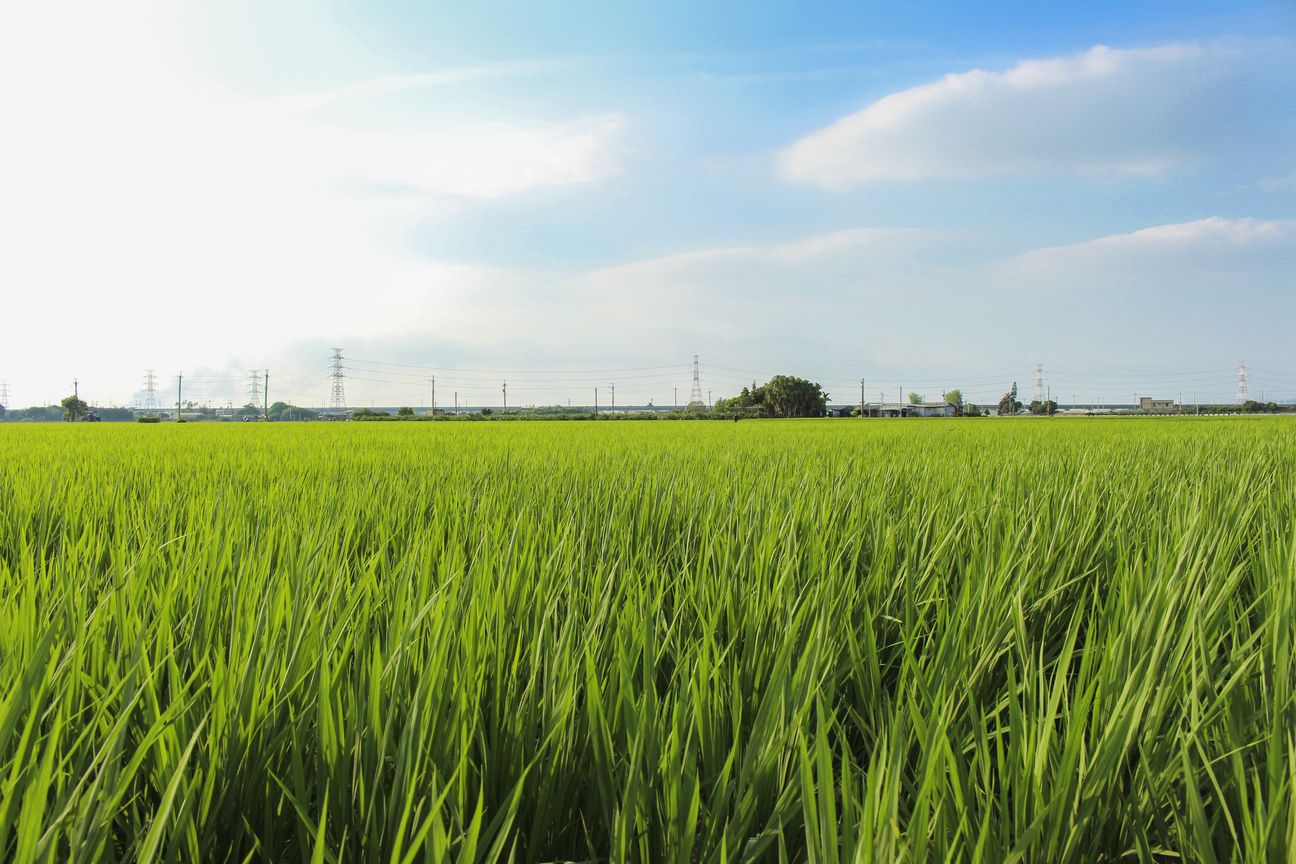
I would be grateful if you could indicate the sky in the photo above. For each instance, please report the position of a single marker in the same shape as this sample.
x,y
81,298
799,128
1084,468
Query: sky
x,y
553,198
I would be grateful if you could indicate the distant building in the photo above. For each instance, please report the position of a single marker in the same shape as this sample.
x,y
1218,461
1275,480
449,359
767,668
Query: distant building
x,y
434,412
906,409
1147,403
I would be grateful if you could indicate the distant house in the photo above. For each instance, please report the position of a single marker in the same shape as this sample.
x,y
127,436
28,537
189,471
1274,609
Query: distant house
x,y
434,412
1147,403
906,409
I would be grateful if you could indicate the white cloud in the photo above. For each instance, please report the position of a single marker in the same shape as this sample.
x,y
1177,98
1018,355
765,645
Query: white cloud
x,y
149,206
1186,255
1104,112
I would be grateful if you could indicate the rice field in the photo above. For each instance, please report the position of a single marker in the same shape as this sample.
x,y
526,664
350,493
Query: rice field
x,y
801,641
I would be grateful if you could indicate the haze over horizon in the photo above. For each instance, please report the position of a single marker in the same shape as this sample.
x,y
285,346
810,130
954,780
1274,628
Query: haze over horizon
x,y
579,194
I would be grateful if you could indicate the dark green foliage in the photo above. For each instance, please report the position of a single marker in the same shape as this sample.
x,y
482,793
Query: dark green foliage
x,y
1009,404
781,396
74,409
36,414
115,415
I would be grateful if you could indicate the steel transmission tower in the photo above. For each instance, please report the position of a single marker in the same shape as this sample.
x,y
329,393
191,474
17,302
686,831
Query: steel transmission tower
x,y
1039,382
150,390
695,395
254,388
4,393
1242,395
337,399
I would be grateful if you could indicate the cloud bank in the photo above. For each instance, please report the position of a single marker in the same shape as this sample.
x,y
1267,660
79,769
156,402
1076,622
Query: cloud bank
x,y
1104,112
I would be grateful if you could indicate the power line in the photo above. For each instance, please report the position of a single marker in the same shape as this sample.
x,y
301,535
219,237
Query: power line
x,y
516,371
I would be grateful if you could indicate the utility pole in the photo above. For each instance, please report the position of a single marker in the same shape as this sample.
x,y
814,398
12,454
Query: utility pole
x,y
433,395
677,398
708,400
179,397
265,407
861,397
613,386
456,403
75,393
596,400
505,395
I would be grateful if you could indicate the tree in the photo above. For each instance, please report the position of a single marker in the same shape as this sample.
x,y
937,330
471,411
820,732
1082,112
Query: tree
x,y
916,399
74,409
789,396
486,412
405,411
954,397
282,411
1009,404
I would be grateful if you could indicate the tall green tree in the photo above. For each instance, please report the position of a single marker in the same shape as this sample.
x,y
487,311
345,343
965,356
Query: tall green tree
x,y
789,396
74,409
917,399
1009,404
954,397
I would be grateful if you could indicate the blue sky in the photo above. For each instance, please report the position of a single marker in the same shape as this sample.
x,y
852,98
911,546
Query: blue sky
x,y
926,196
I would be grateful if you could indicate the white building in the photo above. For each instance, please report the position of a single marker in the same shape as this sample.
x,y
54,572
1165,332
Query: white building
x,y
906,409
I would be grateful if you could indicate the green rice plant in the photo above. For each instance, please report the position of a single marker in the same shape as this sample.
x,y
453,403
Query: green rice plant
x,y
801,641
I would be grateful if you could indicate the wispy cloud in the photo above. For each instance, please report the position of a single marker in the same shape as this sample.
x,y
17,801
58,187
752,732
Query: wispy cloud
x,y
1277,184
308,102
1184,252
